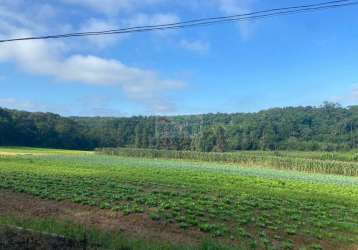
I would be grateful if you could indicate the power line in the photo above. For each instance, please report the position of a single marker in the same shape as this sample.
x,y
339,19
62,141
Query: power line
x,y
222,18
204,21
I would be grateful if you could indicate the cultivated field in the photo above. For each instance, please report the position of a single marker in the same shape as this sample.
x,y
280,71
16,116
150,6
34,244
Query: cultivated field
x,y
172,200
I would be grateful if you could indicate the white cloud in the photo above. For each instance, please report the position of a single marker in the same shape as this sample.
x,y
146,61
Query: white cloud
x,y
13,103
99,25
65,59
354,93
112,7
35,106
196,45
351,98
97,105
57,58
102,111
38,57
141,19
105,6
86,106
233,7
19,13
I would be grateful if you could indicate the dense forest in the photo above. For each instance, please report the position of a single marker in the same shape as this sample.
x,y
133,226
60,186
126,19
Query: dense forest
x,y
328,127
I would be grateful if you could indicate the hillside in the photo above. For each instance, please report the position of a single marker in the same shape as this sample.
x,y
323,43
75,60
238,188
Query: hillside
x,y
328,127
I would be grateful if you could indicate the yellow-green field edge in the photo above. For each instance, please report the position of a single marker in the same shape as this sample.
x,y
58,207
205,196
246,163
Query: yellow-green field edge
x,y
39,151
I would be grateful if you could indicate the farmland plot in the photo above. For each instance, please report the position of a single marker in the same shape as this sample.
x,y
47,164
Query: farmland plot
x,y
238,207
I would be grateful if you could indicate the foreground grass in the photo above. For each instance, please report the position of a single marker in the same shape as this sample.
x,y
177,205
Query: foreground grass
x,y
248,208
89,238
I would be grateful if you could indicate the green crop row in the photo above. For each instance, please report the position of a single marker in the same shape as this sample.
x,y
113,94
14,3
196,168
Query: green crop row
x,y
258,212
265,159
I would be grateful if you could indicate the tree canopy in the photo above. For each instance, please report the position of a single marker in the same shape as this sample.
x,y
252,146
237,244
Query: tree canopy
x,y
328,127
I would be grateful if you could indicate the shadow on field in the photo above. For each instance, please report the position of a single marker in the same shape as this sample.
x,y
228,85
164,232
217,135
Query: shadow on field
x,y
17,239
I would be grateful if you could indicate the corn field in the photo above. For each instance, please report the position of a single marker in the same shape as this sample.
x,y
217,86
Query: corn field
x,y
328,163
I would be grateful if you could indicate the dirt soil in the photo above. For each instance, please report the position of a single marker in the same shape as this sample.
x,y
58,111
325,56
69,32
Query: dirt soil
x,y
138,225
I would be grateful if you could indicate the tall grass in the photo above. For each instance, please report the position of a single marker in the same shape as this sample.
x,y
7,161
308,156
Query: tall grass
x,y
312,163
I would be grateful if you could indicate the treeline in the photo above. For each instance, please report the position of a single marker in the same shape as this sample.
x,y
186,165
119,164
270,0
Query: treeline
x,y
329,127
19,128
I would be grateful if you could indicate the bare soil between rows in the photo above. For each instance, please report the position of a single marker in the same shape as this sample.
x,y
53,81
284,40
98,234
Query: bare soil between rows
x,y
135,225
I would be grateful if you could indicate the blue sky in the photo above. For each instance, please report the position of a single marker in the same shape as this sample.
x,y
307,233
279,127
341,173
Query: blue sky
x,y
303,59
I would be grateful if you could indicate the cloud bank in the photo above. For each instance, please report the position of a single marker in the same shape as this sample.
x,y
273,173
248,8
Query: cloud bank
x,y
66,61
56,59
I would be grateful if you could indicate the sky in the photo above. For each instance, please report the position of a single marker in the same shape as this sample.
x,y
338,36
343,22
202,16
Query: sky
x,y
296,60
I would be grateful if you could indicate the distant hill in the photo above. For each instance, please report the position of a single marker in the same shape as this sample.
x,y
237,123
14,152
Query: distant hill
x,y
328,127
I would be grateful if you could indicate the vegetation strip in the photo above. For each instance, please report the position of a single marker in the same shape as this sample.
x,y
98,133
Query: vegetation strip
x,y
290,162
254,212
